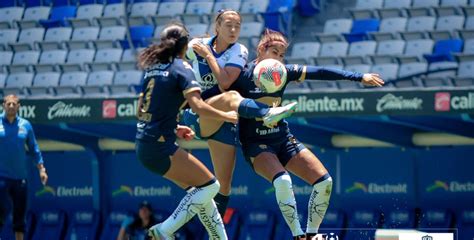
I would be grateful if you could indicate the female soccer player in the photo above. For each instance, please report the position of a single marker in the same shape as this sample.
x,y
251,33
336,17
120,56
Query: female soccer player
x,y
169,81
219,61
273,151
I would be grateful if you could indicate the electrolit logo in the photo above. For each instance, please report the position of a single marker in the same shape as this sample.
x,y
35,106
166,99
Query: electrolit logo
x,y
141,191
376,188
45,190
452,186
63,191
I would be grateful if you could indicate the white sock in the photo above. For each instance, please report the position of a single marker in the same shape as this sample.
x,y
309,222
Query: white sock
x,y
318,203
189,206
287,202
212,221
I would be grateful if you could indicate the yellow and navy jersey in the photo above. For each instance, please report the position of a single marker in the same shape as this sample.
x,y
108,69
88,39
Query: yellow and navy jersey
x,y
235,55
251,130
164,89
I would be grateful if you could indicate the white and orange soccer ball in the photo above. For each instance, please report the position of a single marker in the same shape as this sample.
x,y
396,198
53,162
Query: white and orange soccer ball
x,y
270,75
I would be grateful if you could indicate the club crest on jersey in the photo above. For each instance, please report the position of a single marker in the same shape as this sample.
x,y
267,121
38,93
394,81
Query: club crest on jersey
x,y
208,80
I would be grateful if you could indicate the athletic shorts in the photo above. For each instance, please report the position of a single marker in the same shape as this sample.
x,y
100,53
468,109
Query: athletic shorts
x,y
227,133
156,156
284,148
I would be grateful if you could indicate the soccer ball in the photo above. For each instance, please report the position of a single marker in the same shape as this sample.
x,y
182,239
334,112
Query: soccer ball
x,y
270,75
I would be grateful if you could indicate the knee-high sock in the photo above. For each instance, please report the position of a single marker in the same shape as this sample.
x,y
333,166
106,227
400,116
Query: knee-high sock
x,y
212,221
318,203
287,202
250,108
221,202
189,206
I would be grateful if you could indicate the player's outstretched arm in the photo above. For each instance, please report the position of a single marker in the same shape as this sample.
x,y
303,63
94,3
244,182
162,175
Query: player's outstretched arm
x,y
324,73
204,110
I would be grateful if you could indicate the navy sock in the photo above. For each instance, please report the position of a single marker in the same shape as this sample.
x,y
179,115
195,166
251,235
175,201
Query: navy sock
x,y
221,202
250,108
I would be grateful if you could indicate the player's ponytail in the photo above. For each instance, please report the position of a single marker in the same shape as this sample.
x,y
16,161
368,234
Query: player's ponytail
x,y
173,41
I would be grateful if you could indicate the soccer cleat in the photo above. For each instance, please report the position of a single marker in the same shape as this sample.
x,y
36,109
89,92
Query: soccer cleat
x,y
155,234
276,114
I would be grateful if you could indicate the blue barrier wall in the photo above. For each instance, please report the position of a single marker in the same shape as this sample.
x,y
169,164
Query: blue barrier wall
x,y
379,179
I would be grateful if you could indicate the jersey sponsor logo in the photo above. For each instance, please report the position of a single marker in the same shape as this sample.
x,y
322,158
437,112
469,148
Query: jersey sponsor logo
x,y
392,102
63,110
263,132
63,191
155,73
452,186
375,188
141,191
109,109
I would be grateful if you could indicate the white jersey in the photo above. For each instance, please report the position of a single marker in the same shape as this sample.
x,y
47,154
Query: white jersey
x,y
236,56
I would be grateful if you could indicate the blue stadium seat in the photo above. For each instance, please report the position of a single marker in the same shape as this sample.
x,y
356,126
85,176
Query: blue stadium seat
x,y
58,16
401,219
7,3
444,49
258,224
466,224
32,3
51,225
56,3
139,36
83,225
363,224
435,218
360,29
112,225
278,16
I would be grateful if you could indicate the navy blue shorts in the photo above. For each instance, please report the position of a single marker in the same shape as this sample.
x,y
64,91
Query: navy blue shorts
x,y
227,133
284,148
156,156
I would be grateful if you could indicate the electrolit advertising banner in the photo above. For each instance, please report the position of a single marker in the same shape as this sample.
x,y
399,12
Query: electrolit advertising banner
x,y
127,183
380,178
446,178
69,185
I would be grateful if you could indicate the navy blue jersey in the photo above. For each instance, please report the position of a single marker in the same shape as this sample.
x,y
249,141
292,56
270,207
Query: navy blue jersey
x,y
164,88
252,130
